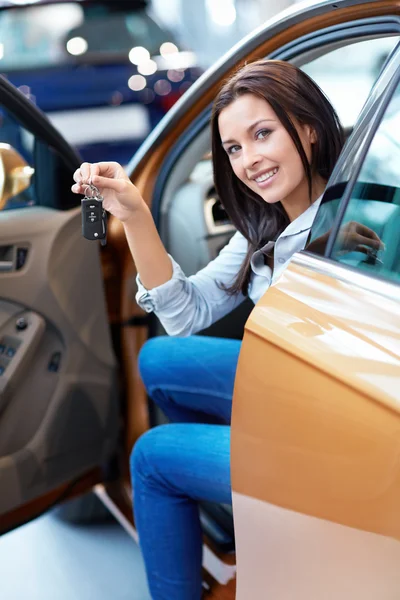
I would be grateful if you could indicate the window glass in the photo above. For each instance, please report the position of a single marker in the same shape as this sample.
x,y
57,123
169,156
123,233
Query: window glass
x,y
32,172
369,237
347,74
16,163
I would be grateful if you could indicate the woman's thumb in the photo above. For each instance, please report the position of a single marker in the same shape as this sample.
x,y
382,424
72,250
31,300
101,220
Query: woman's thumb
x,y
106,183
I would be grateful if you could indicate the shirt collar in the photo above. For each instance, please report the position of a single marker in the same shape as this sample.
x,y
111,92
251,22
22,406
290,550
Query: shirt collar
x,y
303,221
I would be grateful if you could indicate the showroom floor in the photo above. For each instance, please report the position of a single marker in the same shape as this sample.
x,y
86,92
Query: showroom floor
x,y
51,560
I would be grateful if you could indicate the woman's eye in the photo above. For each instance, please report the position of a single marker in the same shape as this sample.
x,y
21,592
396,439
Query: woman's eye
x,y
233,149
262,134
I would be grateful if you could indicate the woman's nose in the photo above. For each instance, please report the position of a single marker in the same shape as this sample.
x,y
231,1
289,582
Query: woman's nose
x,y
250,158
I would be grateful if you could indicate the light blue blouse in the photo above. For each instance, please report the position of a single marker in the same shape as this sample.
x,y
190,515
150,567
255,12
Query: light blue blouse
x,y
186,305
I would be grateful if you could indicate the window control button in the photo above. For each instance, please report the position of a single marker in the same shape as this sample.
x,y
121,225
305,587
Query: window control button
x,y
54,363
21,324
2,348
22,254
10,352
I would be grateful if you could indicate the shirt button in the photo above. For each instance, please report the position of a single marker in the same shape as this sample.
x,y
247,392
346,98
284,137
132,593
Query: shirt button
x,y
281,260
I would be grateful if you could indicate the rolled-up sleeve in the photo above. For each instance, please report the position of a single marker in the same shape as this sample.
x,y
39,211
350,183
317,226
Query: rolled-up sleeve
x,y
186,305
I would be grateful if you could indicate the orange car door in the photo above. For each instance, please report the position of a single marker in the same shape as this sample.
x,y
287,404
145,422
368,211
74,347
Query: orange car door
x,y
315,434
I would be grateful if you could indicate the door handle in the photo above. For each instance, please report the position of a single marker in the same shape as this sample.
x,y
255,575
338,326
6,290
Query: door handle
x,y
6,265
13,258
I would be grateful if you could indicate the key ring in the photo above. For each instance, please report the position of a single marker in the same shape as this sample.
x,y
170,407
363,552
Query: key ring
x,y
95,192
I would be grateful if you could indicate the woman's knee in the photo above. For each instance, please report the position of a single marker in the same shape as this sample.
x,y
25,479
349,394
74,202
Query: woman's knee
x,y
160,358
140,460
150,452
151,356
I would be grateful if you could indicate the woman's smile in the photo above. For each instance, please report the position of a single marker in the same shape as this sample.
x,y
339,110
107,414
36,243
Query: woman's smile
x,y
266,178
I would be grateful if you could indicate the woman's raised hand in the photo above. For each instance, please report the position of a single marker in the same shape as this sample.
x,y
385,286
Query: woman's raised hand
x,y
356,237
121,197
352,237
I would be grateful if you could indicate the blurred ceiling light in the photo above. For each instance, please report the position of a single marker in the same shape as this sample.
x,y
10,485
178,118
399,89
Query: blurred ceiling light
x,y
1,51
179,60
139,55
137,83
147,68
175,75
162,87
168,48
77,46
222,13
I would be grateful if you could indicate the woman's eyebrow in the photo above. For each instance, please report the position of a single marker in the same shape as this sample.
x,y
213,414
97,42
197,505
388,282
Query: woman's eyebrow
x,y
252,126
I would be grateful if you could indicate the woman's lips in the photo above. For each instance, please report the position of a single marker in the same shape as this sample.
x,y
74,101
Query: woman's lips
x,y
266,182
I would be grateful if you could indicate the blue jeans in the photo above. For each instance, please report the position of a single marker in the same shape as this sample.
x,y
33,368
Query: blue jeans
x,y
175,465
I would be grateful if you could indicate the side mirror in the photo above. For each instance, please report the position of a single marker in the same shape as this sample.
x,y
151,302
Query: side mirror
x,y
15,174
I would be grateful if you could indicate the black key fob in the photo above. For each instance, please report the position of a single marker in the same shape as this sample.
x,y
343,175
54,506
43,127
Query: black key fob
x,y
94,219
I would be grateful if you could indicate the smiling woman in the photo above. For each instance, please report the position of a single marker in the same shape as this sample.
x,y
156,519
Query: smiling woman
x,y
275,141
279,134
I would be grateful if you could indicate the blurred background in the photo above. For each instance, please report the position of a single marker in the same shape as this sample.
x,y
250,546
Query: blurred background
x,y
107,71
80,60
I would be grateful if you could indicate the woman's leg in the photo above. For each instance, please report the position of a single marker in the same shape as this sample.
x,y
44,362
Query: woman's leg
x,y
191,378
173,466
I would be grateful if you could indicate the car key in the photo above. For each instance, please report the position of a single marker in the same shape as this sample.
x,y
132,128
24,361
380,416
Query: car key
x,y
94,217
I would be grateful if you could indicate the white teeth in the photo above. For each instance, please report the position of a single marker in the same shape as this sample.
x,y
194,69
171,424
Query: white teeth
x,y
266,176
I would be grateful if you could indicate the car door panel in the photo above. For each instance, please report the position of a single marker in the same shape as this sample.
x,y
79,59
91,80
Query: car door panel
x,y
59,398
315,439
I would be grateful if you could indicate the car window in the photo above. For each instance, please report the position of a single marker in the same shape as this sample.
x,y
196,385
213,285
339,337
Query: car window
x,y
347,74
375,203
16,163
32,170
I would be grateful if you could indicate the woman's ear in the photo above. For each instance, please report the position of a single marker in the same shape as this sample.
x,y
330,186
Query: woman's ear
x,y
311,134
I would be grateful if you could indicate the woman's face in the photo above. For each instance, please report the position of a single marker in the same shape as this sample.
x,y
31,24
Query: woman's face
x,y
263,154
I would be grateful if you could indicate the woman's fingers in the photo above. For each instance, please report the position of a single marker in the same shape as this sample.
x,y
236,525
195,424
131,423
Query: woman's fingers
x,y
82,175
77,175
94,171
85,172
355,239
357,234
110,169
363,240
77,188
117,185
108,175
102,183
368,233
363,249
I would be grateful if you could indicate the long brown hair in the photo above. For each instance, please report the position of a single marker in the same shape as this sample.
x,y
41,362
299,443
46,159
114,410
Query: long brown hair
x,y
292,95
